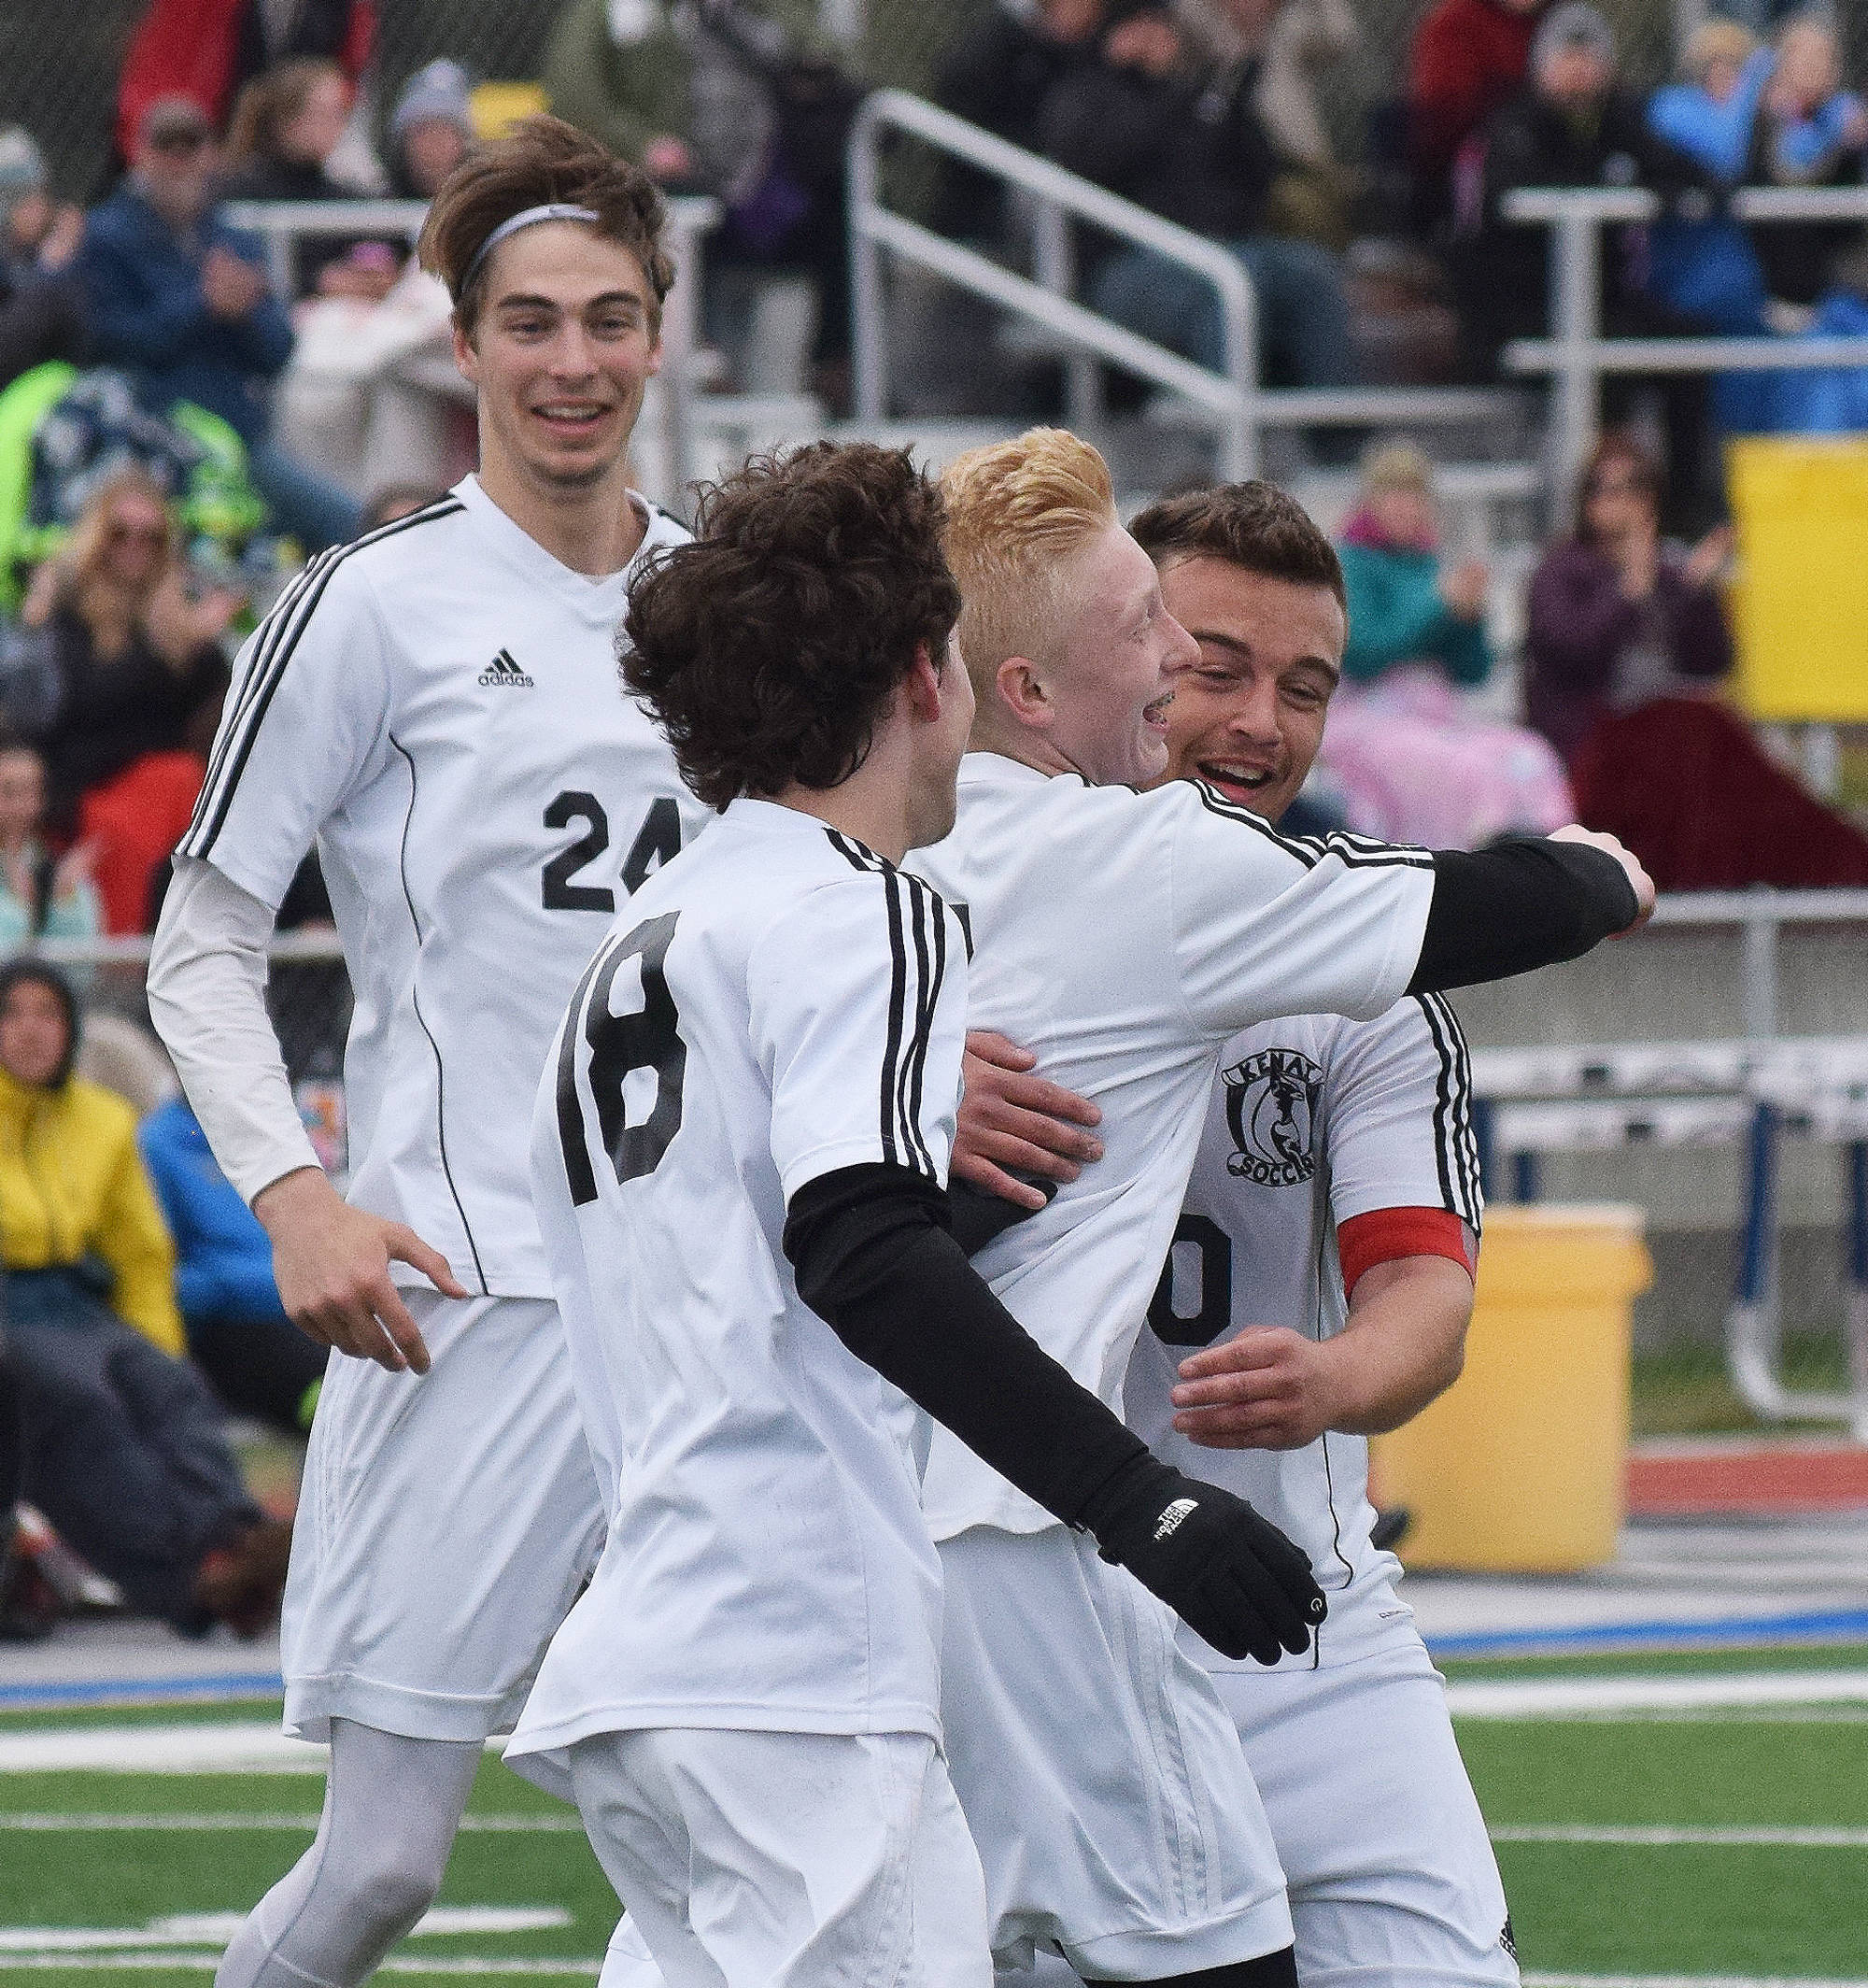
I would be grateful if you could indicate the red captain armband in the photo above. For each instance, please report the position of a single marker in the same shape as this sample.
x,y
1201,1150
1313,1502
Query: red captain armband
x,y
1384,1234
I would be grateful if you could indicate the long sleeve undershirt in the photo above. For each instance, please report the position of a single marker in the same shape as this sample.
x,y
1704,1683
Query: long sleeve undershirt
x,y
207,998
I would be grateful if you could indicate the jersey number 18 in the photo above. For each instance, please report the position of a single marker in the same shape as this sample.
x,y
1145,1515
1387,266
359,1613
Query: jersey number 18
x,y
620,1045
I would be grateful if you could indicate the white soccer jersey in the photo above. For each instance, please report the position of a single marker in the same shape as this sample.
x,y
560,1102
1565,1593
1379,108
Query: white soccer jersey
x,y
1314,1120
1124,937
437,705
777,1005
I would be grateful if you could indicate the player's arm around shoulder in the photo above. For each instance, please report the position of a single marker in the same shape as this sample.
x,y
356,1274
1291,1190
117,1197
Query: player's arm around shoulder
x,y
1404,1195
1267,924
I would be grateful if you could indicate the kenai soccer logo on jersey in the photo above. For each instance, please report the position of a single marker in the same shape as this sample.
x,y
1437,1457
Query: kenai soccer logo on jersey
x,y
1271,1104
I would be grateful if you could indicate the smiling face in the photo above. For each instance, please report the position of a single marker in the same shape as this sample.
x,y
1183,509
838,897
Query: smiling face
x,y
561,353
1248,718
1120,661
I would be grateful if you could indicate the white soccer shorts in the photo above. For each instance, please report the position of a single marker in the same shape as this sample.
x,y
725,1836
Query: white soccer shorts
x,y
1392,1881
445,1525
789,1860
1099,1773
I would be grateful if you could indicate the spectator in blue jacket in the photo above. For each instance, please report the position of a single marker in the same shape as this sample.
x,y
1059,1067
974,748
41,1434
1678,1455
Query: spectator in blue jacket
x,y
182,302
260,1363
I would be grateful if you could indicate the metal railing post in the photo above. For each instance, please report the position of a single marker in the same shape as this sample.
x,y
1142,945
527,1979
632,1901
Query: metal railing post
x,y
1759,984
1576,300
1055,261
869,339
688,221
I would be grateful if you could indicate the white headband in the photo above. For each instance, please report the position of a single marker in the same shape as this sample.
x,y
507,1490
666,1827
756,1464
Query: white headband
x,y
526,218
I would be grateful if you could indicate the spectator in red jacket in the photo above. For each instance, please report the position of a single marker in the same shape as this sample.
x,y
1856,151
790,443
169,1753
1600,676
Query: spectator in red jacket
x,y
207,50
1469,57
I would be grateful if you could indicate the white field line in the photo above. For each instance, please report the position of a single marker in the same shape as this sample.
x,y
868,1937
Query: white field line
x,y
1581,1697
193,1929
240,1747
1682,1981
252,1747
207,1962
1717,1836
51,1822
1764,1836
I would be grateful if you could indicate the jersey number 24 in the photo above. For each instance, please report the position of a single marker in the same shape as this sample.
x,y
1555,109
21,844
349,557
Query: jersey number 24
x,y
656,841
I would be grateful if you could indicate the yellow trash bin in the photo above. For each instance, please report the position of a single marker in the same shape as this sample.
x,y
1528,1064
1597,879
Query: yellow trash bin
x,y
1800,607
1518,1467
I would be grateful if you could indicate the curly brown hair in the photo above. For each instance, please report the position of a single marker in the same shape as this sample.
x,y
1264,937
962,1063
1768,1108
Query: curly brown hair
x,y
770,647
539,162
1255,525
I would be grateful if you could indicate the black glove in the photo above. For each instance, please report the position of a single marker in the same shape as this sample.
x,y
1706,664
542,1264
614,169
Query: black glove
x,y
1230,1575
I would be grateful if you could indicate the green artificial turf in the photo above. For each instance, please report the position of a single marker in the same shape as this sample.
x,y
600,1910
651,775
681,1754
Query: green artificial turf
x,y
1579,1907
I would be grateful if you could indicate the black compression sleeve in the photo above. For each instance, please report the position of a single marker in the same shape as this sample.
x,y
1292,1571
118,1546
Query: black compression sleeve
x,y
876,1262
1519,905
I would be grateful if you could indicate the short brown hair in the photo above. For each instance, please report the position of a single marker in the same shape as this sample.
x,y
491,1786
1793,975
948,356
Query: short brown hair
x,y
769,647
1253,525
1016,513
539,162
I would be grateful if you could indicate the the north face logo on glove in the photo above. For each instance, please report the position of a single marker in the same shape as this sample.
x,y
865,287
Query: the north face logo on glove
x,y
1170,1521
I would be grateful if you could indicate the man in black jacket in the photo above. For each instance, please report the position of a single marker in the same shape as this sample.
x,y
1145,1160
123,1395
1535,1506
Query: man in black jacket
x,y
1189,147
998,74
1572,125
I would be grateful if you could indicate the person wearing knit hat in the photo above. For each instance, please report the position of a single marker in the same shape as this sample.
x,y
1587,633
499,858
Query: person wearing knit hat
x,y
1573,56
431,127
1574,24
41,312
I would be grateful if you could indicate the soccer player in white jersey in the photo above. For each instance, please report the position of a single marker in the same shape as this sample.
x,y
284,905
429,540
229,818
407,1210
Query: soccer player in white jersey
x,y
1126,937
1319,1292
437,706
739,1160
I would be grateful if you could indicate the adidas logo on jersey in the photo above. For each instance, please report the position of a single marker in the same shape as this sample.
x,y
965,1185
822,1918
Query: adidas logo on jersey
x,y
1170,1521
503,671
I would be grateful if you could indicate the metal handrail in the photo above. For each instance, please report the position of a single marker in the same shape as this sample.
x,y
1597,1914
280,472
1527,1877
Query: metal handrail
x,y
1576,355
280,223
1238,405
1057,193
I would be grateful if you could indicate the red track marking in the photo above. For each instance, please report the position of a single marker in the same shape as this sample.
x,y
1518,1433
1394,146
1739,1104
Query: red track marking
x,y
1776,1478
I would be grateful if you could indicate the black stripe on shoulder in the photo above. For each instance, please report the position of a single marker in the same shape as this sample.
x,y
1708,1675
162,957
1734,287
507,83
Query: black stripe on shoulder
x,y
930,949
890,1104
854,853
1455,1150
285,627
1354,852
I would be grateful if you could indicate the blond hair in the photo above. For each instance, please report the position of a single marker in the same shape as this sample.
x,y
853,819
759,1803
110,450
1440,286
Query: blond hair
x,y
1017,513
1715,41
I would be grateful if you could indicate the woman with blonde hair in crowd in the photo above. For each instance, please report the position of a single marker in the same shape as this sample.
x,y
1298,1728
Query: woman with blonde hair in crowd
x,y
116,672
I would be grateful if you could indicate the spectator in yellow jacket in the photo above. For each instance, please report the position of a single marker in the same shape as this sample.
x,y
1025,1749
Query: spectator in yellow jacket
x,y
125,1449
74,1195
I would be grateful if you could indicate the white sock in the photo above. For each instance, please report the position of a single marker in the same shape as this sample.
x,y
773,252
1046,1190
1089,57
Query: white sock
x,y
392,1807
